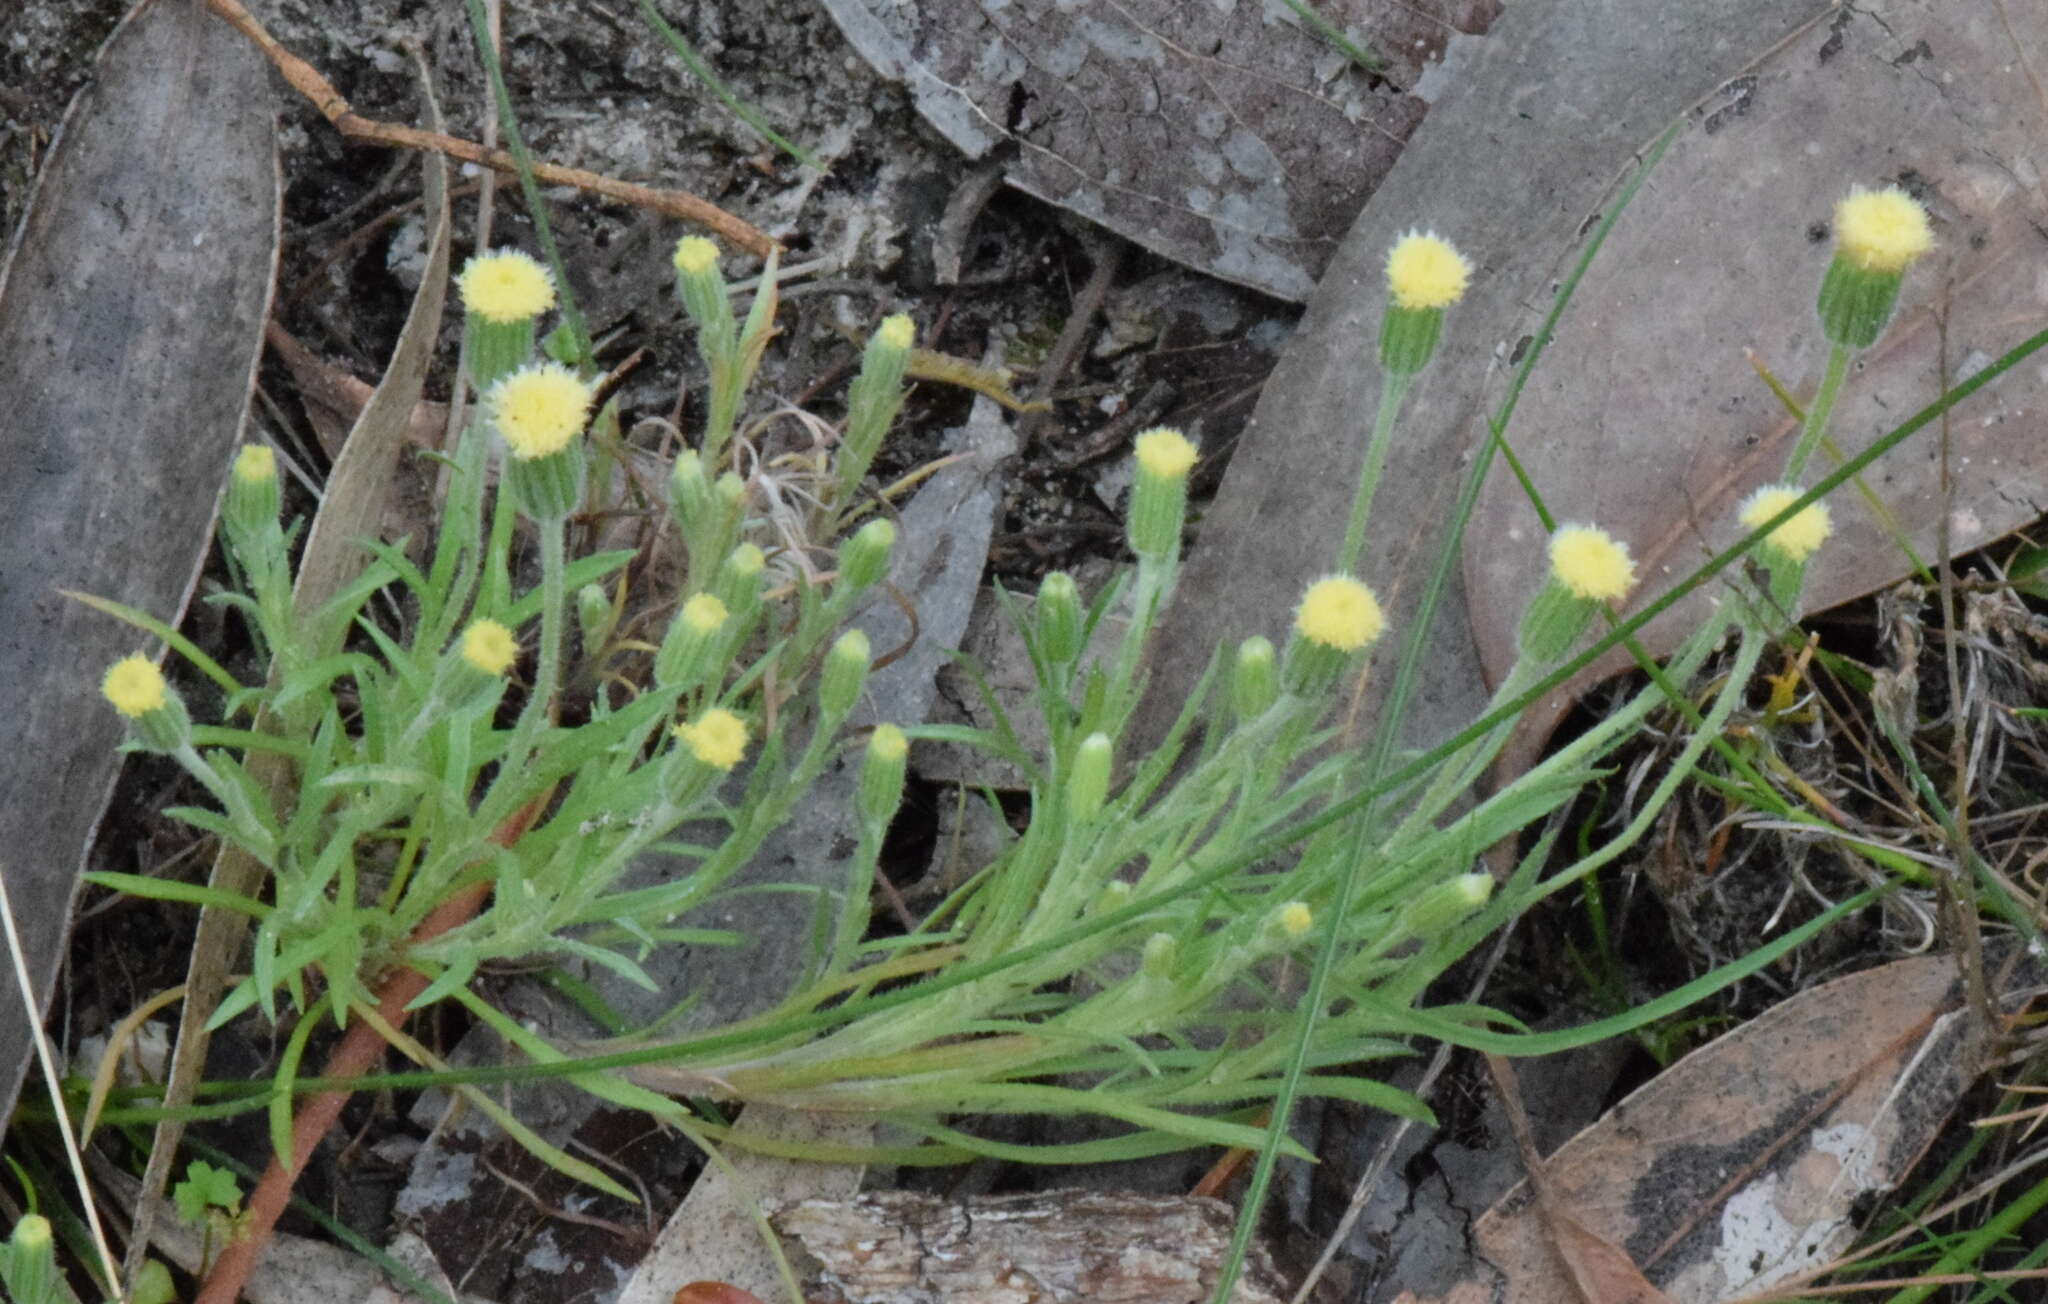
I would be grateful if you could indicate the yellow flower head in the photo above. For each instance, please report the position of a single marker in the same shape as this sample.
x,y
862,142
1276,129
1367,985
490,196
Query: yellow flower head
x,y
1165,453
539,409
695,255
489,646
255,464
1591,563
1423,271
897,332
1796,539
887,743
1339,612
506,286
717,738
1882,230
704,613
135,686
1294,918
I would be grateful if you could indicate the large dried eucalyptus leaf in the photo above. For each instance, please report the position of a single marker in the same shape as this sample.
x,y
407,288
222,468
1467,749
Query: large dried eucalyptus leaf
x,y
1225,134
131,316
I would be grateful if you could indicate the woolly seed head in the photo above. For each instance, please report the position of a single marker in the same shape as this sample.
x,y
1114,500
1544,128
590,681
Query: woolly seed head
x,y
897,332
718,738
1294,918
539,409
704,613
695,255
1339,612
887,743
1591,563
489,646
135,686
1882,230
1798,538
506,286
255,464
1165,453
1424,271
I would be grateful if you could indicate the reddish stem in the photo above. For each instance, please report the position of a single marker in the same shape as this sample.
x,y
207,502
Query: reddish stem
x,y
360,1049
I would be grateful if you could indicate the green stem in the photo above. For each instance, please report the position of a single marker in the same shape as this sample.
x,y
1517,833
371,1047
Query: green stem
x,y
1393,388
548,671
1817,414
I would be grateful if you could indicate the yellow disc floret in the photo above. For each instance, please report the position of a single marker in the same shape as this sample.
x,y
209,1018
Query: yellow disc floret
x,y
1165,453
704,613
255,464
1339,612
1424,271
1798,538
1294,918
897,332
718,738
506,286
539,409
1591,563
695,255
135,686
489,646
1882,230
887,743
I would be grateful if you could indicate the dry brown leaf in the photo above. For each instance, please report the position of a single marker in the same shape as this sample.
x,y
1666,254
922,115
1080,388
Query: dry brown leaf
x,y
1228,136
1644,415
1551,109
131,312
1741,1166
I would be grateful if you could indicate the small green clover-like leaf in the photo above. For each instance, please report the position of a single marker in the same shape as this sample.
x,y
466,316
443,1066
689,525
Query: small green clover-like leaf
x,y
205,1187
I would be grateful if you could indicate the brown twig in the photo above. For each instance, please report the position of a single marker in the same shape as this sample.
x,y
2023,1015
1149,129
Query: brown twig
x,y
360,1048
307,81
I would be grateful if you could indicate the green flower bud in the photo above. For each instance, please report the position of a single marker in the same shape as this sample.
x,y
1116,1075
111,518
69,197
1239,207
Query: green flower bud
x,y
738,584
1115,895
1159,497
593,618
1254,679
29,1261
1088,784
1058,619
1161,951
1408,338
881,776
692,649
689,489
873,400
864,559
1445,906
846,673
701,287
255,500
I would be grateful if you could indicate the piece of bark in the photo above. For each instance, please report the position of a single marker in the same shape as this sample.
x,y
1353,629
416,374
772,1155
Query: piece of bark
x,y
131,314
1049,1247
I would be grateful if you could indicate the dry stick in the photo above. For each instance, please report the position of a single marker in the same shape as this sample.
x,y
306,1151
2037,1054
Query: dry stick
x,y
360,1049
307,81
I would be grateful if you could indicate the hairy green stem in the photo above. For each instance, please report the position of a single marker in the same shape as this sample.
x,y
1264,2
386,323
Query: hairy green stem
x,y
1817,413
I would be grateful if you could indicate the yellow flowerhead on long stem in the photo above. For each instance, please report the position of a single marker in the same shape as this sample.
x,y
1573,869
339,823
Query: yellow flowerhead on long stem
x,y
489,646
718,738
1798,538
506,286
1424,271
539,409
1882,230
1591,563
1341,613
135,686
